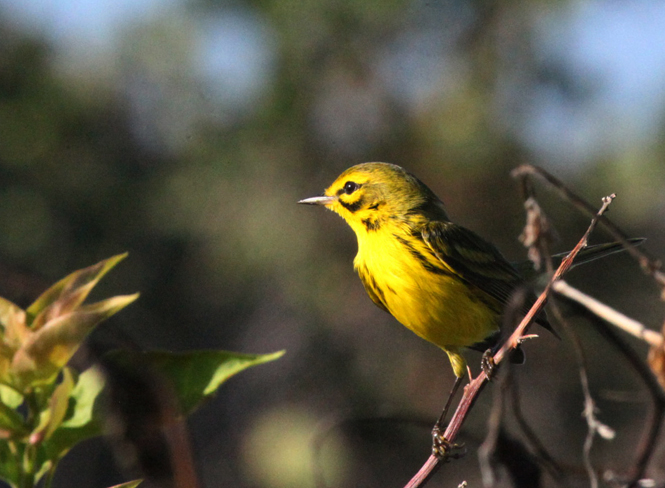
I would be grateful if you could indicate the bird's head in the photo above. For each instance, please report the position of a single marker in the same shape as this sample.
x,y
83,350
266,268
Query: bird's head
x,y
369,194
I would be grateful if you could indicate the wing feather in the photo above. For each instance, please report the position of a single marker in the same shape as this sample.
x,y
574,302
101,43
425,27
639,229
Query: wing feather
x,y
472,258
478,262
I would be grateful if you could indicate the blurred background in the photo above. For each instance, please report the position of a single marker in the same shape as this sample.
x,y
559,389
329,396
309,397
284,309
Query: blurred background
x,y
184,132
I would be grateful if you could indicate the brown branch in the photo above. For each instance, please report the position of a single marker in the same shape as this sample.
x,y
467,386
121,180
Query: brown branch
x,y
476,384
649,264
598,313
529,466
589,412
610,315
653,426
488,447
541,453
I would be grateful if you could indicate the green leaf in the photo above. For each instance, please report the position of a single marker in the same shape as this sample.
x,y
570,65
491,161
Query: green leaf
x,y
57,407
68,293
13,333
83,419
12,323
10,397
9,464
47,351
11,423
194,375
129,484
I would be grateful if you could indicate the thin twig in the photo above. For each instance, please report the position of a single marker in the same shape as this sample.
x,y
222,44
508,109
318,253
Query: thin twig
x,y
649,264
538,246
589,412
614,317
476,385
487,448
544,457
506,390
653,426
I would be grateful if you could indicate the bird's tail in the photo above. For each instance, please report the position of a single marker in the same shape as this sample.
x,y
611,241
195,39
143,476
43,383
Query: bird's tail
x,y
597,251
586,255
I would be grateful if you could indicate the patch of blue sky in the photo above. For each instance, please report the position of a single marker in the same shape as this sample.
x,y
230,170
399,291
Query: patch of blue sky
x,y
92,22
234,56
615,51
233,49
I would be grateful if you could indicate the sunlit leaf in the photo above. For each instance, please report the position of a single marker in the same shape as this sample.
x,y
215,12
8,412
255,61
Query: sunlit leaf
x,y
194,375
6,356
83,419
12,456
57,406
42,464
11,423
47,351
13,333
10,397
69,292
12,324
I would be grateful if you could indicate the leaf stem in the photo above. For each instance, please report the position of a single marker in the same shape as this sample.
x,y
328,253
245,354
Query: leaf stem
x,y
48,482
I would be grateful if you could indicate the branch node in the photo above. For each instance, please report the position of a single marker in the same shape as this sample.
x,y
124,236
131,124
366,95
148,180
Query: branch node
x,y
525,338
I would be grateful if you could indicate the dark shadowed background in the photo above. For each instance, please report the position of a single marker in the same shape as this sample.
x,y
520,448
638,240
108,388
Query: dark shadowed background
x,y
184,132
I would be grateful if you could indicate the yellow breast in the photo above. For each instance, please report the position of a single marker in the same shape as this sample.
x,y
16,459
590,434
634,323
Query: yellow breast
x,y
421,292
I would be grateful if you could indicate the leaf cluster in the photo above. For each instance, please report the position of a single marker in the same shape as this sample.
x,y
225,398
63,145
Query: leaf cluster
x,y
47,407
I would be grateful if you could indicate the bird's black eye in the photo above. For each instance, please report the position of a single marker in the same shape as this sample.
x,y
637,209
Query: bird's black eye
x,y
350,187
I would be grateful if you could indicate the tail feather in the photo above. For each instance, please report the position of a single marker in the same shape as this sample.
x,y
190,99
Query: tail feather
x,y
586,255
526,269
591,253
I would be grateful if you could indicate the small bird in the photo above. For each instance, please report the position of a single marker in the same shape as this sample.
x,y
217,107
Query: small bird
x,y
439,279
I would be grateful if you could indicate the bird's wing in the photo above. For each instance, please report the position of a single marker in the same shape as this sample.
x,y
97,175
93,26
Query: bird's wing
x,y
472,258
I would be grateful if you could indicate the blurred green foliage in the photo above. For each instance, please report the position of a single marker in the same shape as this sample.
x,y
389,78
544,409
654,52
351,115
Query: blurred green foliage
x,y
130,148
47,408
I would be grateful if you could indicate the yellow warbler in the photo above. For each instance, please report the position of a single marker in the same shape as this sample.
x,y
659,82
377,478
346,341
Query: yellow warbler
x,y
442,281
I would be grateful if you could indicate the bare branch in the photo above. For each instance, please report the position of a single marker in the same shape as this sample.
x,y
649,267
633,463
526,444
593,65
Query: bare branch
x,y
614,317
590,307
476,385
593,424
645,449
487,448
543,456
649,264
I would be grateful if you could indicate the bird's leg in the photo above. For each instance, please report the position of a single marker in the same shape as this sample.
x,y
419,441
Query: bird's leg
x,y
451,395
441,447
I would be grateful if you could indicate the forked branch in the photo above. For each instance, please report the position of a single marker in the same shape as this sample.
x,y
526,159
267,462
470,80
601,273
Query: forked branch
x,y
472,390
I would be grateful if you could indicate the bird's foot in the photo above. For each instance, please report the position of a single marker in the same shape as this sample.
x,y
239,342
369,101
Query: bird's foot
x,y
488,365
443,449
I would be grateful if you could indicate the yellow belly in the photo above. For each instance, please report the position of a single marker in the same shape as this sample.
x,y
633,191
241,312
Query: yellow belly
x,y
440,308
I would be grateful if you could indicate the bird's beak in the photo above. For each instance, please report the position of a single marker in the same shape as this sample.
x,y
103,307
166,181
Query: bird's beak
x,y
323,200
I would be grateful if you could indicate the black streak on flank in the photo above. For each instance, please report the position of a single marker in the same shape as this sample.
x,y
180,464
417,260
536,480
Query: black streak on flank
x,y
352,207
371,225
418,255
378,290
